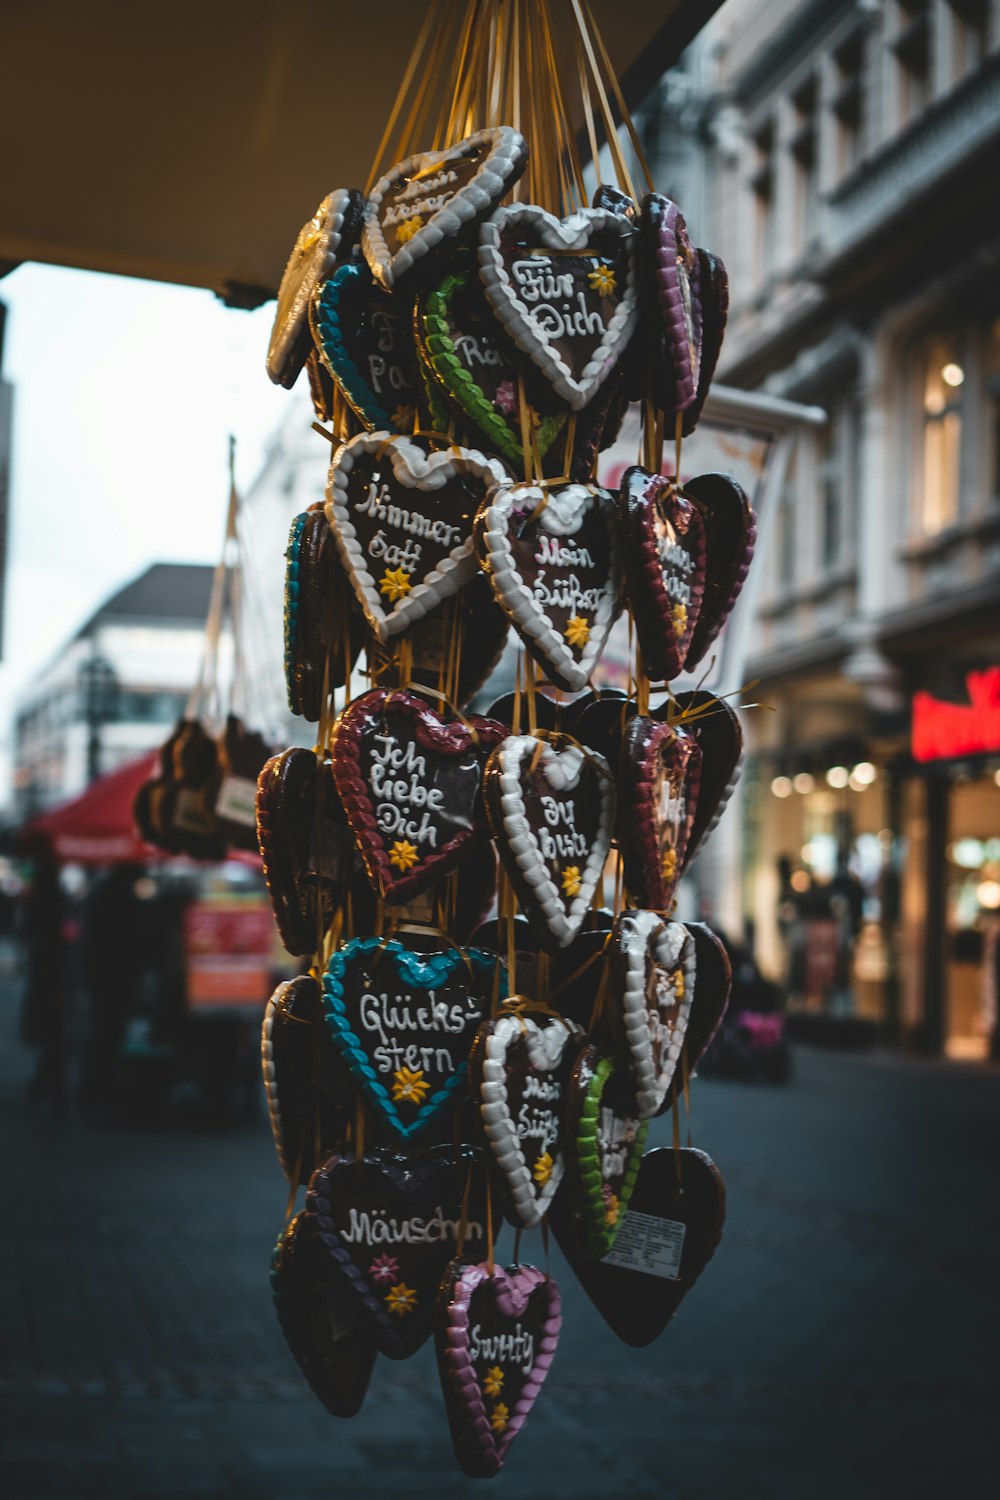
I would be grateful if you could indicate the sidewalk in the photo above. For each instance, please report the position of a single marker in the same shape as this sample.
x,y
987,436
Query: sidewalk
x,y
843,1343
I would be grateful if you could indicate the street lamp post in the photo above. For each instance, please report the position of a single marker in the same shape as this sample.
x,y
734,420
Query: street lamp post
x,y
99,694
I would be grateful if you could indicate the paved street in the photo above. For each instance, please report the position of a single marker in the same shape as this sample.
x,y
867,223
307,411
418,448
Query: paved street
x,y
843,1343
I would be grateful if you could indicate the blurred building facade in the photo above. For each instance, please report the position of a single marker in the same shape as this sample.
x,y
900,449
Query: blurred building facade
x,y
116,687
842,159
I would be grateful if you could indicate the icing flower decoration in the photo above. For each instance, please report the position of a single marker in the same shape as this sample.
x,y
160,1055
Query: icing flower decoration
x,y
493,1381
409,228
402,1299
679,615
611,1209
500,1417
668,864
542,1170
571,880
603,280
678,983
577,631
395,582
403,855
409,1084
506,397
402,417
384,1268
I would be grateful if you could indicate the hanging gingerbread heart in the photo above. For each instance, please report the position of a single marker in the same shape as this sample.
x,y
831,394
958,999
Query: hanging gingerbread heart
x,y
653,975
389,1226
411,785
712,984
471,625
565,290
672,266
364,338
551,805
496,1335
730,529
402,516
668,1236
551,553
328,236
658,781
614,201
310,1102
714,287
665,566
421,206
716,728
305,847
605,1148
518,1070
320,1320
404,1022
324,630
458,337
568,980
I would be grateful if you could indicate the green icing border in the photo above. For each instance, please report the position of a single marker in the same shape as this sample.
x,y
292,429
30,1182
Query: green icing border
x,y
446,365
600,1234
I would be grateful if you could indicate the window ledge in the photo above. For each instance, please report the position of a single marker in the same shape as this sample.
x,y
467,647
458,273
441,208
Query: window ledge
x,y
813,592
924,548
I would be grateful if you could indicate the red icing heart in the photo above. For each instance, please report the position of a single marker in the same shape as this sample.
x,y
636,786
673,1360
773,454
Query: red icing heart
x,y
658,784
730,537
664,557
411,784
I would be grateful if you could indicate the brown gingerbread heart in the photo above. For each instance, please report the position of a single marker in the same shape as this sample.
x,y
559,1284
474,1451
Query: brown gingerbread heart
x,y
664,555
658,780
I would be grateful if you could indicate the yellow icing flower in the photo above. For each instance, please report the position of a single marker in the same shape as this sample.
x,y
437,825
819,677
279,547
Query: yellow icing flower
x,y
409,228
668,864
678,982
603,281
395,583
409,1084
500,1417
402,1299
542,1169
402,417
611,1210
493,1381
571,880
403,855
577,631
680,618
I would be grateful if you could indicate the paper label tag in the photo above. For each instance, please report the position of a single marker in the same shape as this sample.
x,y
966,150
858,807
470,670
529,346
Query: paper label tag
x,y
190,812
237,801
648,1244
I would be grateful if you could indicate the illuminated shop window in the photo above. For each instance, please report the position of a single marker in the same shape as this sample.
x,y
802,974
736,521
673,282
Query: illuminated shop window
x,y
943,382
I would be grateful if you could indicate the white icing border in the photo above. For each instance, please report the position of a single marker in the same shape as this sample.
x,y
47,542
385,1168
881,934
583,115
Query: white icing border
x,y
517,599
327,223
635,930
511,753
267,1068
507,147
545,1047
416,471
572,233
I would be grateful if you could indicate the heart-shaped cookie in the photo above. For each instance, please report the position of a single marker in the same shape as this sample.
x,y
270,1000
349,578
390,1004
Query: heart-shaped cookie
x,y
614,201
405,1021
471,623
305,846
664,554
605,1148
420,207
672,266
565,290
402,517
653,976
242,753
551,806
716,728
496,1334
714,288
551,553
324,630
411,785
658,782
391,1226
518,1070
730,529
365,340
712,983
310,1102
668,1236
458,337
568,980
329,235
320,1320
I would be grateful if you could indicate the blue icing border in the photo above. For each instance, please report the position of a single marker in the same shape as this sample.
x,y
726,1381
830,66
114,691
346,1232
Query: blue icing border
x,y
342,367
421,972
291,606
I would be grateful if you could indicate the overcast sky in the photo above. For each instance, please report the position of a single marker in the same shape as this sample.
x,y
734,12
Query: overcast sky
x,y
125,392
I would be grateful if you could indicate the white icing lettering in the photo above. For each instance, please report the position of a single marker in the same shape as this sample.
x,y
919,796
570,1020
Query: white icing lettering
x,y
517,1348
375,1228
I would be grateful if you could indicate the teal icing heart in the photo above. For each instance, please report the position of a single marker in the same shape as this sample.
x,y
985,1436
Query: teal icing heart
x,y
405,1021
364,340
292,603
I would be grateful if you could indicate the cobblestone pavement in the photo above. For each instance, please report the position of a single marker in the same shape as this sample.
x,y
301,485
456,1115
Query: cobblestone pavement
x,y
843,1343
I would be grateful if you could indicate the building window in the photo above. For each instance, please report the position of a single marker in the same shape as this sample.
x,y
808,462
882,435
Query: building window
x,y
762,188
787,529
849,62
943,381
804,154
970,36
912,46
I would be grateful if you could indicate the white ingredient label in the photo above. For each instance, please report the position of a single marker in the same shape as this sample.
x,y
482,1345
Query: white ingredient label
x,y
648,1244
237,800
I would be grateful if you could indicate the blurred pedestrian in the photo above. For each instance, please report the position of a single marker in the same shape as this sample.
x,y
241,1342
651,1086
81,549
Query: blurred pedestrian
x,y
114,934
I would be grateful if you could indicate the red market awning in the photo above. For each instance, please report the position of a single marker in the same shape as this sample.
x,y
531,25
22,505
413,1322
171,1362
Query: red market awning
x,y
96,828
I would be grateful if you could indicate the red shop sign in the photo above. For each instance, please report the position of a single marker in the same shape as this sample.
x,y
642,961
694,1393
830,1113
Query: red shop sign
x,y
942,731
